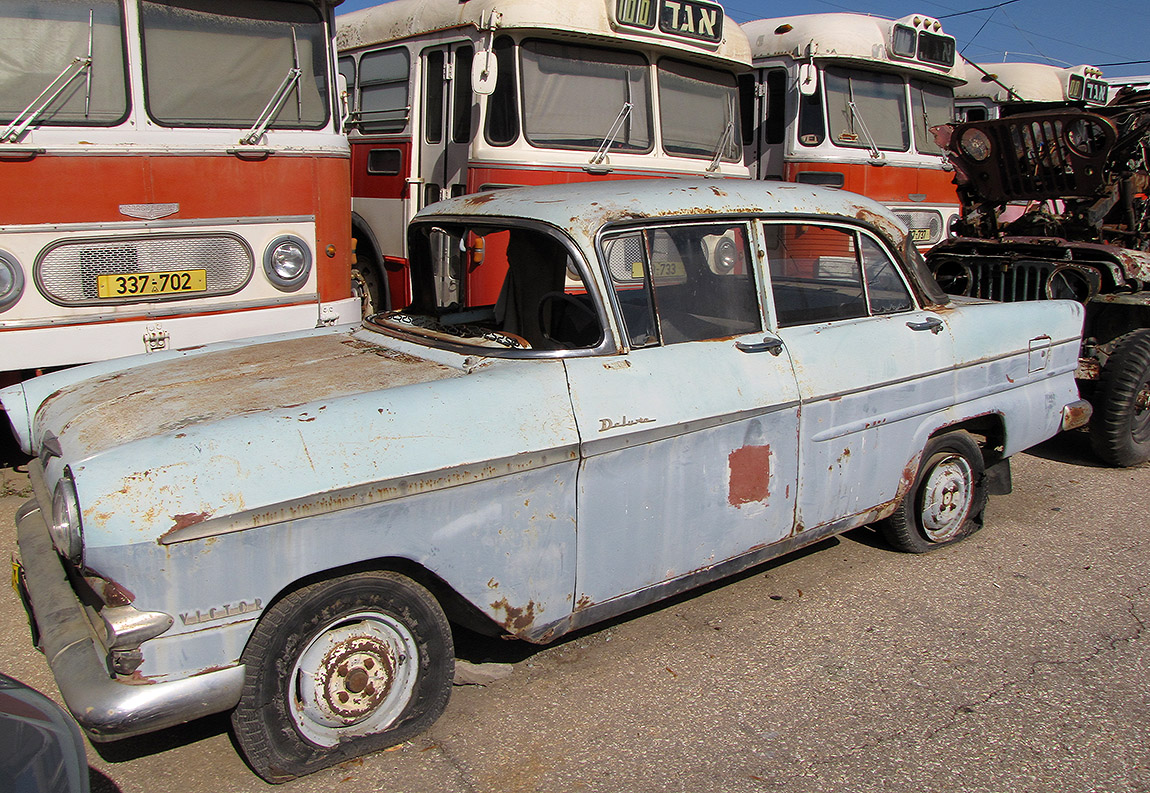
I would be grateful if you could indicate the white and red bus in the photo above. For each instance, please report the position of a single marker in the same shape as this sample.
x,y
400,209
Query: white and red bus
x,y
171,173
449,98
848,100
993,90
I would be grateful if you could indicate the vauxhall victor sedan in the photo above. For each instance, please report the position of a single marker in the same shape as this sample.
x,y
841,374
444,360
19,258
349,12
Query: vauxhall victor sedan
x,y
675,381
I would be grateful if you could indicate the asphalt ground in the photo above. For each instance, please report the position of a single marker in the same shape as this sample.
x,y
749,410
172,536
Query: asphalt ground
x,y
1015,661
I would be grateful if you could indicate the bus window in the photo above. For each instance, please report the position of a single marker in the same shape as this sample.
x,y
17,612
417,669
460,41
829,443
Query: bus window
x,y
383,104
503,109
434,74
867,109
40,40
196,76
747,121
697,110
572,96
461,96
812,129
931,104
776,99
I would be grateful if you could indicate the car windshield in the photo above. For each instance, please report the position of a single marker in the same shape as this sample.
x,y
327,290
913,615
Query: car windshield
x,y
501,287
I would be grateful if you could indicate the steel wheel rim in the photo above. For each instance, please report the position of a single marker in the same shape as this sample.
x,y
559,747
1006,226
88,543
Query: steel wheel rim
x,y
947,494
1140,428
355,677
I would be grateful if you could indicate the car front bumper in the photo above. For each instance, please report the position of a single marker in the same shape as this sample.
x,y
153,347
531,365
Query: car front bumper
x,y
107,707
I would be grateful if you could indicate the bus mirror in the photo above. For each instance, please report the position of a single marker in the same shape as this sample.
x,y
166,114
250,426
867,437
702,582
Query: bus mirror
x,y
484,72
476,250
808,79
344,100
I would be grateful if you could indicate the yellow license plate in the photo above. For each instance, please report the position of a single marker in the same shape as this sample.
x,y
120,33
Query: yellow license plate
x,y
142,284
920,235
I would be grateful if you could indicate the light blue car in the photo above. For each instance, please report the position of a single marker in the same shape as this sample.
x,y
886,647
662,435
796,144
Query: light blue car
x,y
676,380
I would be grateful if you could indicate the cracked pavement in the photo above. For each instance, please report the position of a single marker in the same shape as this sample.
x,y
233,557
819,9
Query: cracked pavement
x,y
1015,661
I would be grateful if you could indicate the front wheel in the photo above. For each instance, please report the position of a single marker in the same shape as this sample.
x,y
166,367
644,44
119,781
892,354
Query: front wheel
x,y
1120,427
339,669
947,500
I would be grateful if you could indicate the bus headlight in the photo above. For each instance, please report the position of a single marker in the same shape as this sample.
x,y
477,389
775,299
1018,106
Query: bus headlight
x,y
287,262
66,529
11,280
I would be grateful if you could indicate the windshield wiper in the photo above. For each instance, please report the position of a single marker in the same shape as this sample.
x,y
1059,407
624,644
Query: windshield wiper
x,y
81,64
725,139
857,116
276,103
609,138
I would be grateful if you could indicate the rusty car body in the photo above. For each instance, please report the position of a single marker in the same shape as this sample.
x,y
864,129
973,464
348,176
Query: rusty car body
x,y
1054,205
680,379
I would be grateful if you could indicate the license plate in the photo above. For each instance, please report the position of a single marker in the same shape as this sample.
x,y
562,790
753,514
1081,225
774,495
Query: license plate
x,y
142,284
920,235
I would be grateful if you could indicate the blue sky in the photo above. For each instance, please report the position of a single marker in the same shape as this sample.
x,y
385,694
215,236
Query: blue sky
x,y
1061,32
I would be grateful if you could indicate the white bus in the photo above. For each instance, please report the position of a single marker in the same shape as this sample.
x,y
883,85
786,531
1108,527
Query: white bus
x,y
848,100
449,98
992,90
172,173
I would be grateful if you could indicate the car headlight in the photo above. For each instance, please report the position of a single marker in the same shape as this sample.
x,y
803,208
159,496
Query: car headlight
x,y
66,529
11,280
726,256
975,144
287,262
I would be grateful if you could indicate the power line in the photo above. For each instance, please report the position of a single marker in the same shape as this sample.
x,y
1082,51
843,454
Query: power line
x,y
1124,63
976,10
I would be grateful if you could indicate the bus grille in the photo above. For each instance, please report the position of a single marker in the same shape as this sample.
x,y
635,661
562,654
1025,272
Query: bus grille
x,y
925,225
67,272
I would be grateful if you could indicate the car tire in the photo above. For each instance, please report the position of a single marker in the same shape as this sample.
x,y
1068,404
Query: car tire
x,y
946,501
341,668
1120,427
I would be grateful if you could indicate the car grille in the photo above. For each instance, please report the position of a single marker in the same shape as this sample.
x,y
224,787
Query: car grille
x,y
66,272
1010,284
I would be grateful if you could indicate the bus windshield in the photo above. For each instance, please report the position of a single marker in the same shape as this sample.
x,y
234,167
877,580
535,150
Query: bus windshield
x,y
45,46
217,63
867,110
697,108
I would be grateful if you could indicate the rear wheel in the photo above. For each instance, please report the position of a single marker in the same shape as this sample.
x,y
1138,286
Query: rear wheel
x,y
947,500
1120,427
342,668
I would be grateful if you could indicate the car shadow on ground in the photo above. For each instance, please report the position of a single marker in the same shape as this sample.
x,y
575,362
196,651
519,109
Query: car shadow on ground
x,y
1071,447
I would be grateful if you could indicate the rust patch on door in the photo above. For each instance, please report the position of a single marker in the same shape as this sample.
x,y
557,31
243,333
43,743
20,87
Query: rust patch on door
x,y
750,470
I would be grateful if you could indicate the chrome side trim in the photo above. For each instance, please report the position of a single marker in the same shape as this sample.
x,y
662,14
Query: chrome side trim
x,y
106,708
369,493
132,225
661,433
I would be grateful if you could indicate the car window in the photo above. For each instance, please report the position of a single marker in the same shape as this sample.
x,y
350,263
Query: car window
x,y
817,274
505,288
683,283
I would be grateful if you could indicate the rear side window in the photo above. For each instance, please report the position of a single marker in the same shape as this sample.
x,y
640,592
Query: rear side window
x,y
825,273
683,283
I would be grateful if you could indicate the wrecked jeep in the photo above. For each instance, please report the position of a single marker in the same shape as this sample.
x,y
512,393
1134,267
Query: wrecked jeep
x,y
1054,205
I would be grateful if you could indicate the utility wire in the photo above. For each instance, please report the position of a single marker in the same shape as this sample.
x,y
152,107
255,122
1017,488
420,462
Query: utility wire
x,y
976,10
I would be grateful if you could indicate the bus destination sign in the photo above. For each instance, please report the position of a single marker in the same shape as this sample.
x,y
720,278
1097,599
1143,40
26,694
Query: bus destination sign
x,y
683,18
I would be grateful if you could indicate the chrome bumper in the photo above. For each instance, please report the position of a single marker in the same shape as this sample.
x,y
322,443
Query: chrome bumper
x,y
1076,414
105,707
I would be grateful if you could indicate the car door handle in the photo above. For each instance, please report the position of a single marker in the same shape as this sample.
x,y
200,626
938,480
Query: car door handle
x,y
933,324
773,346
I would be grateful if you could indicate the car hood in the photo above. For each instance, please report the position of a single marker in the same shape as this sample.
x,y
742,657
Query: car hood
x,y
116,408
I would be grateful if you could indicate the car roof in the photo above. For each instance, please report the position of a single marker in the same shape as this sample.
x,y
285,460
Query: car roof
x,y
582,209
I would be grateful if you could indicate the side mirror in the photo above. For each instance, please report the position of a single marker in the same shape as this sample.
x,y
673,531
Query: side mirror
x,y
484,72
476,250
344,100
808,79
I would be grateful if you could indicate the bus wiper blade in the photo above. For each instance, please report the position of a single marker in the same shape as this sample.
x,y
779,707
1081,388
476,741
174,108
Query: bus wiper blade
x,y
273,107
724,141
609,138
276,103
874,152
79,65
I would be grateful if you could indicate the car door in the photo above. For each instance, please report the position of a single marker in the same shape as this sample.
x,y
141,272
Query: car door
x,y
871,365
689,441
